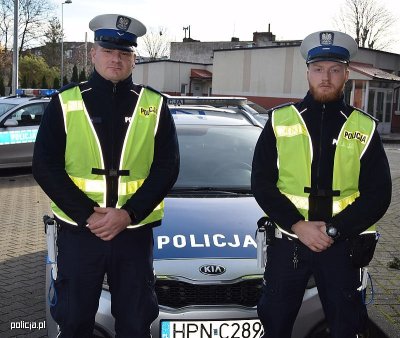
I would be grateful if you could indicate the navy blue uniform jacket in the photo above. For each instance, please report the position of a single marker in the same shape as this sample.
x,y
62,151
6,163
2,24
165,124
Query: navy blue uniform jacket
x,y
324,122
110,107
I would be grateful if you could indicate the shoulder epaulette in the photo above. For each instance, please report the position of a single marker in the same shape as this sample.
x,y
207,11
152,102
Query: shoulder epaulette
x,y
283,105
365,113
68,86
154,90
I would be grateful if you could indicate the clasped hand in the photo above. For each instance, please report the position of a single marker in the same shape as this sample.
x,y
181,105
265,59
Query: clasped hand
x,y
313,235
106,223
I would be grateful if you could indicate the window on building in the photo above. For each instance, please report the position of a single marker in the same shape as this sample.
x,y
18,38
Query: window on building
x,y
388,110
347,92
68,54
183,88
359,94
396,100
380,103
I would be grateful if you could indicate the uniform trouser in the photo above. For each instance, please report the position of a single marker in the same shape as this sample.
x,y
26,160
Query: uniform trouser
x,y
83,259
337,282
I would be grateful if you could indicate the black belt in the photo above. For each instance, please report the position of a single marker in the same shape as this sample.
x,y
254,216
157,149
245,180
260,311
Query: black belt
x,y
316,192
110,172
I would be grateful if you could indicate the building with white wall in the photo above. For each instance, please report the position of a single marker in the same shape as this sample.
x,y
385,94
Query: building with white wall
x,y
276,74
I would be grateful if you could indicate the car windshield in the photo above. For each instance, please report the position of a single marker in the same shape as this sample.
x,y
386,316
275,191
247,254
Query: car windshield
x,y
216,157
5,107
257,108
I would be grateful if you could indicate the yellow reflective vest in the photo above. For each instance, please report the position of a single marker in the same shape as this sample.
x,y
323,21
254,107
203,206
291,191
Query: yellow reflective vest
x,y
294,148
83,151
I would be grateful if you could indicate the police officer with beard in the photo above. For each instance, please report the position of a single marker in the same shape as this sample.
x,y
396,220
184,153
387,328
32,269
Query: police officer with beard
x,y
321,175
107,154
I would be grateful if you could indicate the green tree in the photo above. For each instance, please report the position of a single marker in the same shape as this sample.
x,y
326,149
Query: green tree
x,y
75,77
56,83
24,82
44,83
32,69
34,84
65,80
52,43
5,62
82,75
2,87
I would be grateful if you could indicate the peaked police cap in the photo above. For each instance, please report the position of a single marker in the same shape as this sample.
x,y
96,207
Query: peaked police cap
x,y
116,31
328,46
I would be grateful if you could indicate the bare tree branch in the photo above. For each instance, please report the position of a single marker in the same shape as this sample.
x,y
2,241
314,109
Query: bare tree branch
x,y
32,21
156,43
369,22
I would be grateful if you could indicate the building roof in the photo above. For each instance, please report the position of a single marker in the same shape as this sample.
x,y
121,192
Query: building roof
x,y
375,73
200,74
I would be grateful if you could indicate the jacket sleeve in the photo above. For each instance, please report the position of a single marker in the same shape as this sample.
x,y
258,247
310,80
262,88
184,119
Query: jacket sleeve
x,y
163,172
375,188
48,166
264,178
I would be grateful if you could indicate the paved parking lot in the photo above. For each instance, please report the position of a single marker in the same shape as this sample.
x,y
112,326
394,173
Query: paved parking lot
x,y
22,257
385,309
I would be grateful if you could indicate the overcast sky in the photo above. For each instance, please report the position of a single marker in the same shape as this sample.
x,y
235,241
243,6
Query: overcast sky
x,y
216,20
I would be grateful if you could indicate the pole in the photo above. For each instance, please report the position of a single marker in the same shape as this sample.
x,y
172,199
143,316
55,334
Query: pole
x,y
62,44
62,39
15,51
86,54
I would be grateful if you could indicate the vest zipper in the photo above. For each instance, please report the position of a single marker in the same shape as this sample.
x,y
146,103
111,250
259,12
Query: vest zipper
x,y
320,145
113,183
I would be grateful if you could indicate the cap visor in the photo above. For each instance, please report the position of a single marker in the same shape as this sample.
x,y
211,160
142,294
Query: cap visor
x,y
111,45
327,59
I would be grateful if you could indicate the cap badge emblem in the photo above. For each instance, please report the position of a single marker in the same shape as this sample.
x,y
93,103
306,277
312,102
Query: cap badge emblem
x,y
123,23
326,38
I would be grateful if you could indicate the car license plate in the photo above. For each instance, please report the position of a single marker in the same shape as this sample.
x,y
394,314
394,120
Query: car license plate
x,y
248,328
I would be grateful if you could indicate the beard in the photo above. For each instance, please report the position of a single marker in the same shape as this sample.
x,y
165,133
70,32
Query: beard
x,y
322,96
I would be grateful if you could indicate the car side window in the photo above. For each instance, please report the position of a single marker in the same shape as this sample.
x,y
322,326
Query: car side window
x,y
29,115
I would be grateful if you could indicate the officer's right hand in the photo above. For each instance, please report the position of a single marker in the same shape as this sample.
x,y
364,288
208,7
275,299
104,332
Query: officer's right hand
x,y
108,222
96,216
313,235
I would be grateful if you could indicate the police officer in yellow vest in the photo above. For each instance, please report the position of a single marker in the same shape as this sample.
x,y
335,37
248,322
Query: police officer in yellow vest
x,y
321,175
106,154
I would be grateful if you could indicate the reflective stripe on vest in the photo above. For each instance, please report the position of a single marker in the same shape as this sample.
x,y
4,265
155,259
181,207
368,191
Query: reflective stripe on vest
x,y
137,153
294,149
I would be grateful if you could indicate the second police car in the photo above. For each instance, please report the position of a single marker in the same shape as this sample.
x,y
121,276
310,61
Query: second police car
x,y
20,116
208,280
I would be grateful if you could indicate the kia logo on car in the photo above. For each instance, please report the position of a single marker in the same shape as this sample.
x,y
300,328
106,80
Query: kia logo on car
x,y
212,269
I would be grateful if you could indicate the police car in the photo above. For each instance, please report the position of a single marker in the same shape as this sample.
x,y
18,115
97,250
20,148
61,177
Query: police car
x,y
208,280
20,117
235,103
